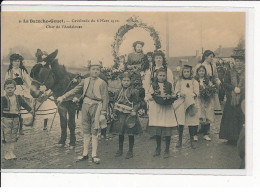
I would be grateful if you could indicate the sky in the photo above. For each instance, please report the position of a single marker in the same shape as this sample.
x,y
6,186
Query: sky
x,y
188,32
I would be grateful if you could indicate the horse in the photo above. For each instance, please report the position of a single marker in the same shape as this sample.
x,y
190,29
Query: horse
x,y
56,78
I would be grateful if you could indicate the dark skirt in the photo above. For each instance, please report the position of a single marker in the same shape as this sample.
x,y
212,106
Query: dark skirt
x,y
119,126
231,123
161,131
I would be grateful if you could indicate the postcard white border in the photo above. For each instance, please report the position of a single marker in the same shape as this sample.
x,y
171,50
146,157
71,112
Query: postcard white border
x,y
164,6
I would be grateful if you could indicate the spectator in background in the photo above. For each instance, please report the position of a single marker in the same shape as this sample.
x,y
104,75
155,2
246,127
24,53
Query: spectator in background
x,y
234,84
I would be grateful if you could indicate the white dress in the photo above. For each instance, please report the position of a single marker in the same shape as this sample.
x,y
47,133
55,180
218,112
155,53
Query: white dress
x,y
147,84
159,115
191,89
212,72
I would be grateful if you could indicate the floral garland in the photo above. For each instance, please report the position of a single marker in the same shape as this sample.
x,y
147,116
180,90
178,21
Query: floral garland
x,y
111,73
133,22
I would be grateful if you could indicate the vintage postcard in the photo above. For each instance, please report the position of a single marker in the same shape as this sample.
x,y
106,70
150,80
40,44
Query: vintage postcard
x,y
123,90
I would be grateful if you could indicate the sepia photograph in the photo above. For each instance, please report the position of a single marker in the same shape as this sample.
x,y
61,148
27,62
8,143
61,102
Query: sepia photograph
x,y
123,90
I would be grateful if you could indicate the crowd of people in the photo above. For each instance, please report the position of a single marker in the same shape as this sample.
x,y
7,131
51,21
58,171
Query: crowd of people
x,y
170,105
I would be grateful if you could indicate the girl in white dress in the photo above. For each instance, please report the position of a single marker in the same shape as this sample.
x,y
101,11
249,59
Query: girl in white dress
x,y
19,74
206,103
162,120
158,61
186,107
212,73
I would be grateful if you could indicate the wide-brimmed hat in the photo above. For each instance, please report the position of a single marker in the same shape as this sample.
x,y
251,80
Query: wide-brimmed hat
x,y
138,42
15,56
131,121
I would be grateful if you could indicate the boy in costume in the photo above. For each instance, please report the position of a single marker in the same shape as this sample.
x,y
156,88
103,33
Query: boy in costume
x,y
10,113
95,97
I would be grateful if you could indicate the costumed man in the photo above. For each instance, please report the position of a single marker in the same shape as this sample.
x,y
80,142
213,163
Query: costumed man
x,y
94,109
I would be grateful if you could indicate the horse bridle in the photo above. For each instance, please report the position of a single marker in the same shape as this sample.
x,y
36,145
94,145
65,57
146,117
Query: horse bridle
x,y
46,79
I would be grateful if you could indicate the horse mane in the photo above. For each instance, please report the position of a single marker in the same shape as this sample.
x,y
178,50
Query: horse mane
x,y
60,70
35,70
62,78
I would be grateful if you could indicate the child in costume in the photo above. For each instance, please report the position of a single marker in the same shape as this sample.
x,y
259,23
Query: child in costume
x,y
125,119
94,92
162,120
10,111
18,72
206,102
186,107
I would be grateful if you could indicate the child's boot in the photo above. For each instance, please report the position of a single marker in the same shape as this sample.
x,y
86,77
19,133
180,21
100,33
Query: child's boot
x,y
158,148
167,149
131,146
191,137
195,134
121,143
180,131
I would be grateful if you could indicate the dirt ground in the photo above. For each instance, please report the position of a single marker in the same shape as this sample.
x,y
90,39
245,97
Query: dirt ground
x,y
36,150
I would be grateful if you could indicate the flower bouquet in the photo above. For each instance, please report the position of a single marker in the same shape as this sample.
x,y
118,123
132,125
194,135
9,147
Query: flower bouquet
x,y
208,91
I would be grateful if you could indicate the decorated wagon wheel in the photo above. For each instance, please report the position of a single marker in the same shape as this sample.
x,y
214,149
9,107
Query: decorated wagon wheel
x,y
132,22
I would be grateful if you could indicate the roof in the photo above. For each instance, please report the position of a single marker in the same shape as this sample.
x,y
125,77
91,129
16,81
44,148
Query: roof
x,y
225,52
186,60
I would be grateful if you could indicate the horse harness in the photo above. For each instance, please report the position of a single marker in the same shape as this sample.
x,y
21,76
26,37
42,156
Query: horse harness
x,y
46,79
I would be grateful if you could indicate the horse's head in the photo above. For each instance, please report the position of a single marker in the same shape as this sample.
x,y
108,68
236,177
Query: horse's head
x,y
43,75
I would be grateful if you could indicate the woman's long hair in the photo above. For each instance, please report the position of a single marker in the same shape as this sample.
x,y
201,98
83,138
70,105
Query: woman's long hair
x,y
21,66
206,54
191,73
206,78
164,63
160,53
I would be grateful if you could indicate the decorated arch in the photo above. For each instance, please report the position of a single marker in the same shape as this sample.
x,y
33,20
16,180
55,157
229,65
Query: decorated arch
x,y
133,22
